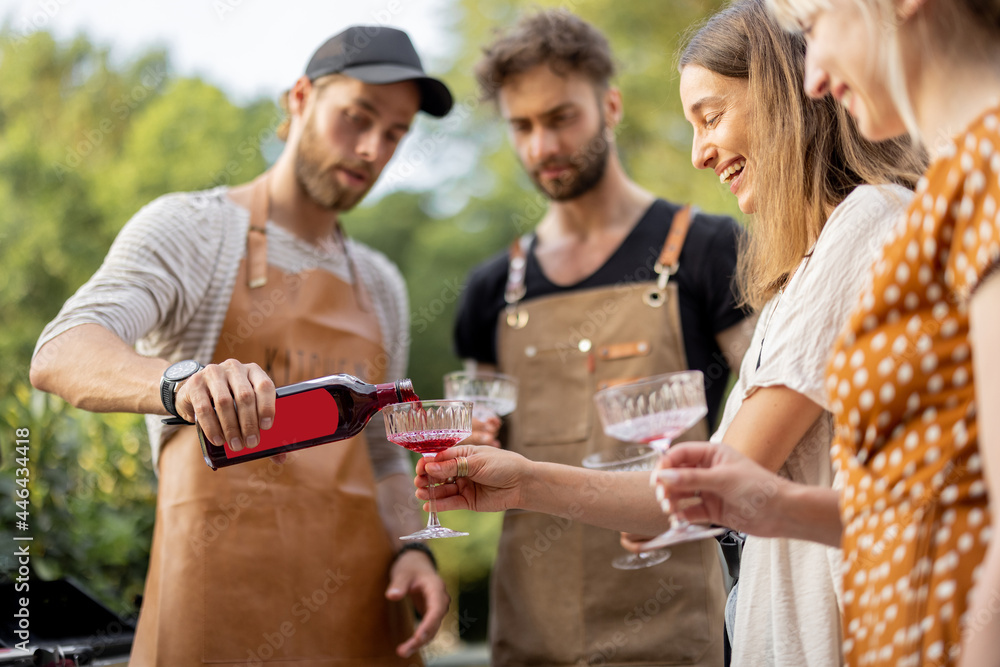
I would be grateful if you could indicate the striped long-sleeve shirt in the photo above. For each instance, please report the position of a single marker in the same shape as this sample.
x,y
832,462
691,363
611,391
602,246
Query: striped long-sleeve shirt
x,y
167,280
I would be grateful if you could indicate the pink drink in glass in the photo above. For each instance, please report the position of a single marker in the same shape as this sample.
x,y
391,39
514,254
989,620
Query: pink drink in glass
x,y
659,426
429,427
429,442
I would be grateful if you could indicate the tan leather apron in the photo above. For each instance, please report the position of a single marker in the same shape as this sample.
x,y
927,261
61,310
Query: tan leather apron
x,y
261,563
556,600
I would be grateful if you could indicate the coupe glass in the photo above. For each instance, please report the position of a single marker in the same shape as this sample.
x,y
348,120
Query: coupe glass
x,y
654,411
492,394
429,427
624,459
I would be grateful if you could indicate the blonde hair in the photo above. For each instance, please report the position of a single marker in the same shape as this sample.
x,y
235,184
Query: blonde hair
x,y
808,155
968,23
319,84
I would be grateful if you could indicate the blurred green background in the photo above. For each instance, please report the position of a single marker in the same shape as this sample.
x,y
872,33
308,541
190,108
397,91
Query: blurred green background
x,y
86,140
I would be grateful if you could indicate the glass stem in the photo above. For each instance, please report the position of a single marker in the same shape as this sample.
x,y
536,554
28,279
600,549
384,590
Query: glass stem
x,y
432,519
662,445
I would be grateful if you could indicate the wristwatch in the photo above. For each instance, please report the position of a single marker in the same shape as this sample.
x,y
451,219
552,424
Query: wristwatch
x,y
174,375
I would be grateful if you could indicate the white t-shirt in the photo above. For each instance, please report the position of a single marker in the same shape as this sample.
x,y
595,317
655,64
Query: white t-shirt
x,y
787,607
167,280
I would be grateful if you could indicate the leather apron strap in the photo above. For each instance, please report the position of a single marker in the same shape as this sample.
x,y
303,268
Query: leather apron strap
x,y
257,245
515,290
666,266
670,257
257,234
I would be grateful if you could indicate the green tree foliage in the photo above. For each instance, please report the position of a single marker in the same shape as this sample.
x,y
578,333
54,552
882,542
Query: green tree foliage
x,y
92,495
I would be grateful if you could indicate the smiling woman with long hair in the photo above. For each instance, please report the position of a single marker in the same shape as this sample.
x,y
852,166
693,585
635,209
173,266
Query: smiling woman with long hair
x,y
811,155
914,379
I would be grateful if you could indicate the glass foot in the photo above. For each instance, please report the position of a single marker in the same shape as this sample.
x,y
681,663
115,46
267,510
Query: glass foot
x,y
642,560
682,534
433,533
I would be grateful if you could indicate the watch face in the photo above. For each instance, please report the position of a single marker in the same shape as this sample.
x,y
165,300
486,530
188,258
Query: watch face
x,y
181,370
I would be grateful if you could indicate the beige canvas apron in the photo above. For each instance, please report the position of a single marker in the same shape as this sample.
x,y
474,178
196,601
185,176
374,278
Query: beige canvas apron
x,y
263,563
556,598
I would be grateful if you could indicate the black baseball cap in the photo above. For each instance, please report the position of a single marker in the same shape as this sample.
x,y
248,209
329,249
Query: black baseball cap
x,y
377,54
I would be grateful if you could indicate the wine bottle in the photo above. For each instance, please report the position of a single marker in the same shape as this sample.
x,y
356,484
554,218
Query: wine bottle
x,y
314,412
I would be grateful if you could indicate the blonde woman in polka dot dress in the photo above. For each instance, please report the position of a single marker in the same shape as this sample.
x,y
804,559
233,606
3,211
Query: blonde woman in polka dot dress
x,y
921,351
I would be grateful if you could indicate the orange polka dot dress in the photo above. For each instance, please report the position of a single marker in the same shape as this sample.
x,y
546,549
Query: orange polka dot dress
x,y
913,499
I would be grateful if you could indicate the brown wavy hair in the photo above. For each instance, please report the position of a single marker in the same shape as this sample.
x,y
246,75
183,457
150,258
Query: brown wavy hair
x,y
554,37
807,154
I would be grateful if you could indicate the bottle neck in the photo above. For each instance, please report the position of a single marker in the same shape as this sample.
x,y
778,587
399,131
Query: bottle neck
x,y
399,391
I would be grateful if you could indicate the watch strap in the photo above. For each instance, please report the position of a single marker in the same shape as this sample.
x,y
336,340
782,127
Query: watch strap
x,y
176,421
167,388
168,394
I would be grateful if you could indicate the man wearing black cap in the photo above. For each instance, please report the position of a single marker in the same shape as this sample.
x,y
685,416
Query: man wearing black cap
x,y
206,301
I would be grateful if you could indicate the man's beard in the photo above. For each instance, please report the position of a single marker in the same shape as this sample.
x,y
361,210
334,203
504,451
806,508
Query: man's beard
x,y
320,182
585,170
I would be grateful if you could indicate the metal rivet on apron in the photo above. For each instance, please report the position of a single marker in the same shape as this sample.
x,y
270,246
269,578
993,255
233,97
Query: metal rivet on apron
x,y
643,347
585,345
654,298
517,319
530,351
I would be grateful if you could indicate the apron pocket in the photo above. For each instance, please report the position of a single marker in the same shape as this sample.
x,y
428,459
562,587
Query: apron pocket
x,y
557,391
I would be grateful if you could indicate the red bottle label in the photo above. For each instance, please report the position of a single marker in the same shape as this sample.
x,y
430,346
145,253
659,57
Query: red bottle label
x,y
298,417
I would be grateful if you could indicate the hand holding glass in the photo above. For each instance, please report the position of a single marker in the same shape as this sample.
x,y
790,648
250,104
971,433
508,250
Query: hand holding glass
x,y
655,411
623,459
429,427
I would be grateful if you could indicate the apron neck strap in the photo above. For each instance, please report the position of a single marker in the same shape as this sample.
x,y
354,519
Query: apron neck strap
x,y
515,289
666,265
670,255
260,208
257,233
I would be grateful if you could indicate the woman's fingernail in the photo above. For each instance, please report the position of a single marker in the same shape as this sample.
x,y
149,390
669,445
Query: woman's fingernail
x,y
669,476
253,441
660,493
236,444
266,423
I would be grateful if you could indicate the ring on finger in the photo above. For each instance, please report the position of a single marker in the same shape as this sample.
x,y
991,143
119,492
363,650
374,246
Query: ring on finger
x,y
463,466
